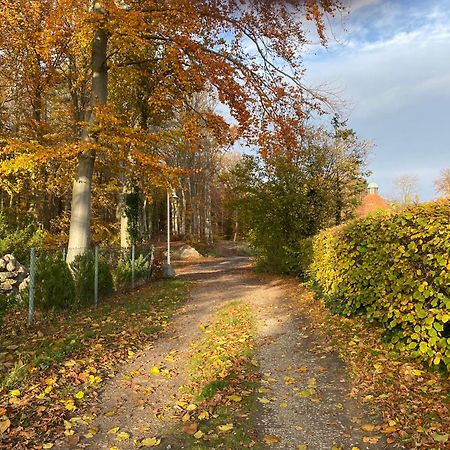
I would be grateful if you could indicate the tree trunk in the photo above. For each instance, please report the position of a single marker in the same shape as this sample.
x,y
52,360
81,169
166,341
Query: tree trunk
x,y
125,239
183,214
208,220
80,219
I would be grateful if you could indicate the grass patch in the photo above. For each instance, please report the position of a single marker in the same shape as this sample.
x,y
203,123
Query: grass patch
x,y
223,383
44,367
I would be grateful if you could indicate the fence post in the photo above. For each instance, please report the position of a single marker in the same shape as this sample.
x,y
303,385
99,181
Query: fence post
x,y
152,258
64,253
133,250
31,286
96,276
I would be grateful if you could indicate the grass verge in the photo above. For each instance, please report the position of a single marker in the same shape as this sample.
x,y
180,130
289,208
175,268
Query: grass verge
x,y
414,401
216,406
56,367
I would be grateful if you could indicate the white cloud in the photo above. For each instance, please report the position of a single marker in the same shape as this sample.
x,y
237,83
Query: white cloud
x,y
396,79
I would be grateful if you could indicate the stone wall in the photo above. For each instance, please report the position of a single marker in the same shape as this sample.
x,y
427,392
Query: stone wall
x,y
14,277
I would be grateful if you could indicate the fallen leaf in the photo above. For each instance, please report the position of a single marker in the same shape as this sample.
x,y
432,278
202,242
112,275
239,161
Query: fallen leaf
x,y
150,442
234,398
199,434
189,428
270,439
263,400
225,428
155,370
113,430
48,445
79,395
388,430
368,427
203,415
91,432
302,447
440,437
122,436
4,424
370,440
305,393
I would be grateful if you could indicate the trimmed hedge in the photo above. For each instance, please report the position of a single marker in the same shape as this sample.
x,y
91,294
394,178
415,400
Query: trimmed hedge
x,y
394,268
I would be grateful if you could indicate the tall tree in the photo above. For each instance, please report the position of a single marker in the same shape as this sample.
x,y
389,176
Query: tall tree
x,y
407,188
442,183
80,219
249,53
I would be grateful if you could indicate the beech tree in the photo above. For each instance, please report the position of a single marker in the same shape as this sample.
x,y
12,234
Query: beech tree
x,y
248,53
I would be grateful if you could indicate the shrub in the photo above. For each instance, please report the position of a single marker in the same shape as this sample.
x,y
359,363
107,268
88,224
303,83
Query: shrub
x,y
394,268
83,269
19,240
54,285
124,270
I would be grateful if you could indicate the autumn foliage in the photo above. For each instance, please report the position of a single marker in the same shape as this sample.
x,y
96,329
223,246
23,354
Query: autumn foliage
x,y
393,268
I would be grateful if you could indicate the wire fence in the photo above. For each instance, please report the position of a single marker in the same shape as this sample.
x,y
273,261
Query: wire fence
x,y
93,275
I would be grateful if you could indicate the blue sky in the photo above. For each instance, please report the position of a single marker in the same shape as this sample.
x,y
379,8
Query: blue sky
x,y
388,63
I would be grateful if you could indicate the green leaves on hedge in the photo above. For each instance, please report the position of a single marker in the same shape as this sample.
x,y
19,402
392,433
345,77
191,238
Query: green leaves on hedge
x,y
395,269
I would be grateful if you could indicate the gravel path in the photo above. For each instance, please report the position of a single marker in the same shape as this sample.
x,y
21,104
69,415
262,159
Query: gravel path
x,y
305,386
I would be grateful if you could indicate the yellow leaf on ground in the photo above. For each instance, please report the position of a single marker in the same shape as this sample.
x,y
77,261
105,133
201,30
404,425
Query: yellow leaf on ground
x,y
289,380
225,428
368,427
14,393
199,434
122,436
305,393
91,433
203,415
270,439
79,395
113,430
191,407
302,447
48,445
389,430
69,405
150,442
263,400
234,398
155,370
370,440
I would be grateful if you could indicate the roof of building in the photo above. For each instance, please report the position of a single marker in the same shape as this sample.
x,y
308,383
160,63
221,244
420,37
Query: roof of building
x,y
371,203
372,185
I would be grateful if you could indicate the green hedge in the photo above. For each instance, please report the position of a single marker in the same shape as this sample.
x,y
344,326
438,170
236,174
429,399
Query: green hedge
x,y
394,268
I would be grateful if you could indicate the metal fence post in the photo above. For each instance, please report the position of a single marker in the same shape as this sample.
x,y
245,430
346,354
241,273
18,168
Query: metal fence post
x,y
64,253
96,276
152,258
31,286
133,254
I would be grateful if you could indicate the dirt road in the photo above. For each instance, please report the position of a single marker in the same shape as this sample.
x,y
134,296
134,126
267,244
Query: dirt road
x,y
306,385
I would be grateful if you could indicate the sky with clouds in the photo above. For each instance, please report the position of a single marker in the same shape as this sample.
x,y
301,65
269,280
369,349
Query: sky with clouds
x,y
388,61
